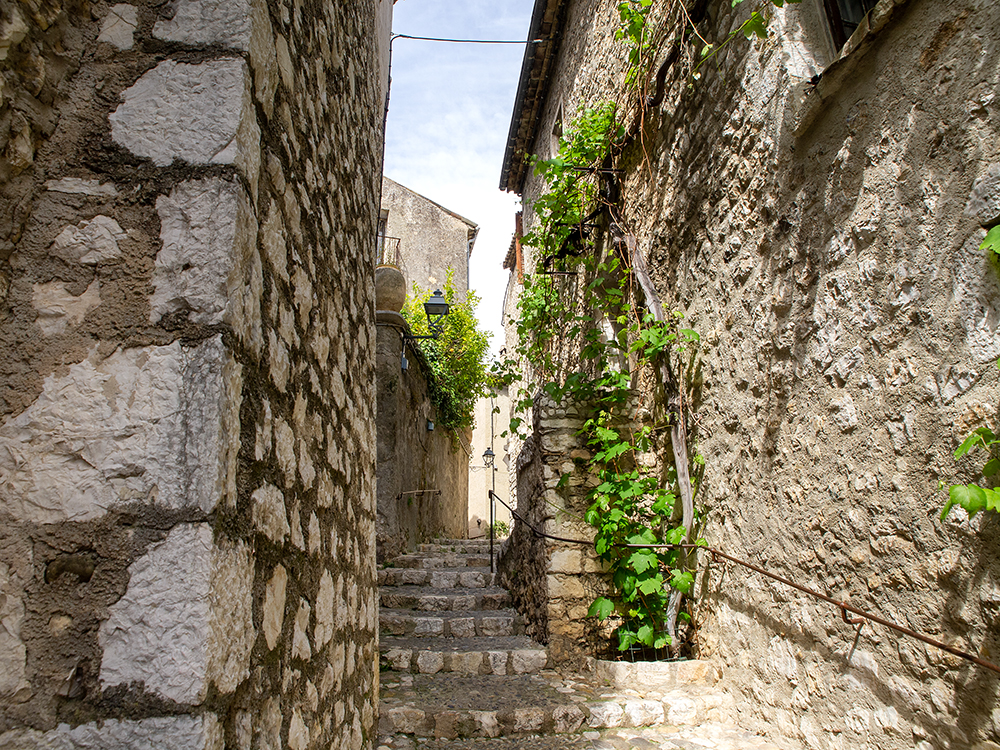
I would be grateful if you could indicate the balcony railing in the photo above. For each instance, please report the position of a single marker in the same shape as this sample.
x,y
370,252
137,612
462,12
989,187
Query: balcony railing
x,y
388,251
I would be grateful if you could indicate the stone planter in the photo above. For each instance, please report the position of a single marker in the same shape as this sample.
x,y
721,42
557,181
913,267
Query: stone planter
x,y
390,288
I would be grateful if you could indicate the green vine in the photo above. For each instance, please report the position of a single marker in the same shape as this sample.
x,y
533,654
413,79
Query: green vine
x,y
586,333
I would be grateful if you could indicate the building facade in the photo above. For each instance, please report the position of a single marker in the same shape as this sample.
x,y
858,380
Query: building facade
x,y
189,199
814,203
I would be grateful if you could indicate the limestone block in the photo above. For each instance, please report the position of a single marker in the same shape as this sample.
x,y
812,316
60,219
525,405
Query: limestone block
x,y
232,634
566,561
183,111
118,27
324,629
642,713
223,22
606,714
184,732
59,310
977,300
471,580
497,661
430,662
399,658
89,242
269,516
157,633
298,732
198,222
141,424
444,580
845,413
680,709
300,640
274,606
497,626
78,186
468,662
428,626
527,661
984,202
406,720
565,587
263,56
568,719
13,654
486,724
462,627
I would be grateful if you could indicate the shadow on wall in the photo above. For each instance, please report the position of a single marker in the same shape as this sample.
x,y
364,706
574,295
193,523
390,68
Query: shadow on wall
x,y
852,664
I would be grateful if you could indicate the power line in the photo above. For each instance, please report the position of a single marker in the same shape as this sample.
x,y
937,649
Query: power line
x,y
465,41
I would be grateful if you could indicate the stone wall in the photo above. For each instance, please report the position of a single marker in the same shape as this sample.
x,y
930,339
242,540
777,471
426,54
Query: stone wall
x,y
188,198
554,582
822,235
423,474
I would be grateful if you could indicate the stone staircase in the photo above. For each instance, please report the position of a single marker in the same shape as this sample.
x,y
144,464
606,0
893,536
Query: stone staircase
x,y
458,673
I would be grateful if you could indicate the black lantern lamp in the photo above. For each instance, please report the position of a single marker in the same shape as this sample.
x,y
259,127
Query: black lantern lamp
x,y
488,462
436,309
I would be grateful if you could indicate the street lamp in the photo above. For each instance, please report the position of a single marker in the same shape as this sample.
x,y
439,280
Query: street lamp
x,y
436,309
489,458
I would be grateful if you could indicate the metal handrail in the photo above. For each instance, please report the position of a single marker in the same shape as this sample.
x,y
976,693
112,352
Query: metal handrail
x,y
844,607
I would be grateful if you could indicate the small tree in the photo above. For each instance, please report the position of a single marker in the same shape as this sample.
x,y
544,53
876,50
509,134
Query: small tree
x,y
457,357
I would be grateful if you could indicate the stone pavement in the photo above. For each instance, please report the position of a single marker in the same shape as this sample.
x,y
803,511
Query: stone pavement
x,y
459,674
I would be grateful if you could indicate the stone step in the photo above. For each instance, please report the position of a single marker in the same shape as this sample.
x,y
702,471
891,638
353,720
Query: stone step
x,y
509,655
443,600
455,706
457,545
438,578
444,560
714,736
457,624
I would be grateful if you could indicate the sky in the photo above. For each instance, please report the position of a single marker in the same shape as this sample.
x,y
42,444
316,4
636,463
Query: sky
x,y
449,112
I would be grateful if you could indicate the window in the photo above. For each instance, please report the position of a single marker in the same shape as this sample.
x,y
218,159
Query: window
x,y
845,15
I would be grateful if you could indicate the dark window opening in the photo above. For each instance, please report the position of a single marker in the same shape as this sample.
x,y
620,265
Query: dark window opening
x,y
845,16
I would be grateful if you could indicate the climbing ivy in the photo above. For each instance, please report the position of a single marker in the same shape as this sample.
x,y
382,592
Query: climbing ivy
x,y
584,336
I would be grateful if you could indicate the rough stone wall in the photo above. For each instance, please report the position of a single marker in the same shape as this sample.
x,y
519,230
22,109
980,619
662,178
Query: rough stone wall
x,y
822,240
432,238
188,199
423,475
554,582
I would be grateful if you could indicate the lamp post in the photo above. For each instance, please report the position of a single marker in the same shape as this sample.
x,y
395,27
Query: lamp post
x,y
489,458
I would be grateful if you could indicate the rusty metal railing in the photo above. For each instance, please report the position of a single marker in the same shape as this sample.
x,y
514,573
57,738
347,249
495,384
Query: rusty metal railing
x,y
388,251
844,607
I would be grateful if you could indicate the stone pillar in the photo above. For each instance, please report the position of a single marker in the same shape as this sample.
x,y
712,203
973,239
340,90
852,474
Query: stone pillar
x,y
555,582
186,382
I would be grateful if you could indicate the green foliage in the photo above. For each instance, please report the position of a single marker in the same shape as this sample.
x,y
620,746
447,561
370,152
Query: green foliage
x,y
754,26
992,241
585,342
972,497
633,32
457,358
500,528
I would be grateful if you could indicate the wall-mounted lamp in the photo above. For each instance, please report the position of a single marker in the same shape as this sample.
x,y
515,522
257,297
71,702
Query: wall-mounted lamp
x,y
489,457
430,426
436,308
